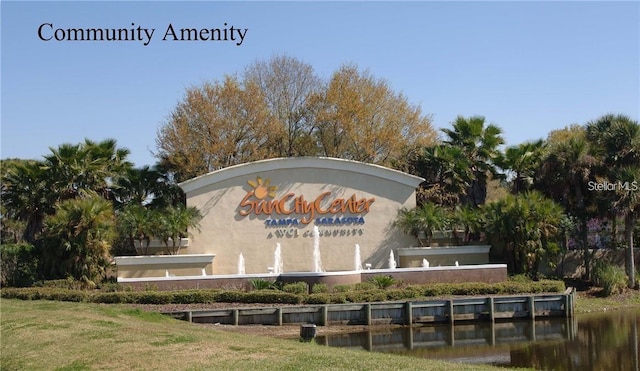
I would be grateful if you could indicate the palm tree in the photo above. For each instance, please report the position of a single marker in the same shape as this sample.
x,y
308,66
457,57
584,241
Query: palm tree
x,y
109,164
146,186
480,146
26,196
408,221
80,234
527,225
422,221
617,139
137,187
447,174
86,166
139,224
545,218
501,225
523,161
564,177
175,224
628,202
467,218
433,218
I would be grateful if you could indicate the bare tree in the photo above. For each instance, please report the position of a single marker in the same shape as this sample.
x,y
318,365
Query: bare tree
x,y
287,85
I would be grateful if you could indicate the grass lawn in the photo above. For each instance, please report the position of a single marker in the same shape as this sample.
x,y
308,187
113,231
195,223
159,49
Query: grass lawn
x,y
592,301
46,335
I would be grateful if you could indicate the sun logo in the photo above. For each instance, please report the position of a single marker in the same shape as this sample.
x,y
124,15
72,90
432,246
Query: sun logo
x,y
262,189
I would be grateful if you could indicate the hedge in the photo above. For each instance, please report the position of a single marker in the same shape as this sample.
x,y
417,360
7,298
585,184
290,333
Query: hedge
x,y
356,294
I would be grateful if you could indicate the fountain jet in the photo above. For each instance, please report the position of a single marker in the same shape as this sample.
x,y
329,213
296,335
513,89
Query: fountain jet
x,y
392,261
277,260
317,261
357,261
241,264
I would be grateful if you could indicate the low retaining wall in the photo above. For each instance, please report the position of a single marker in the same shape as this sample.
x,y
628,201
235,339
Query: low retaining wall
x,y
139,267
494,308
489,273
443,255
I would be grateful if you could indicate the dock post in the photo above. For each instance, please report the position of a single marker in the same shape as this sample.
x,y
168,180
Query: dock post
x,y
409,313
236,317
492,316
451,315
367,310
325,315
532,307
572,300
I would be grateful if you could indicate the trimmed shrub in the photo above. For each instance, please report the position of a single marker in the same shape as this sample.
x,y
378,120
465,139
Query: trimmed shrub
x,y
400,294
194,296
229,297
338,298
29,293
150,287
113,287
416,290
153,297
616,281
43,293
512,287
113,297
520,278
366,296
318,298
68,283
301,288
343,288
474,288
364,286
66,295
271,296
319,288
438,289
550,286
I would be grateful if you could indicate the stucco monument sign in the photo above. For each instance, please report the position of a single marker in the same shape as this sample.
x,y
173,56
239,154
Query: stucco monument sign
x,y
318,220
249,208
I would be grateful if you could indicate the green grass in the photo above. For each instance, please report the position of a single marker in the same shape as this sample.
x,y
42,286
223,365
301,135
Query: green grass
x,y
586,303
48,335
44,335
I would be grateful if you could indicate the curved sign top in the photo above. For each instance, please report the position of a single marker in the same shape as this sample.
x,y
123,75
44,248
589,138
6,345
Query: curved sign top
x,y
355,167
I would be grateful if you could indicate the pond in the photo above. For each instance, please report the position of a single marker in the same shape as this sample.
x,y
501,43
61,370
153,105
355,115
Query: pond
x,y
603,341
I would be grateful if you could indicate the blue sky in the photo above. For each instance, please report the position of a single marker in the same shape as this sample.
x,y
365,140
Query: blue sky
x,y
528,67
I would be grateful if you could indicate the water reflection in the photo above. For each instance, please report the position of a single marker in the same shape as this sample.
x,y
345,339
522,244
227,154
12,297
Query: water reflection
x,y
606,341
